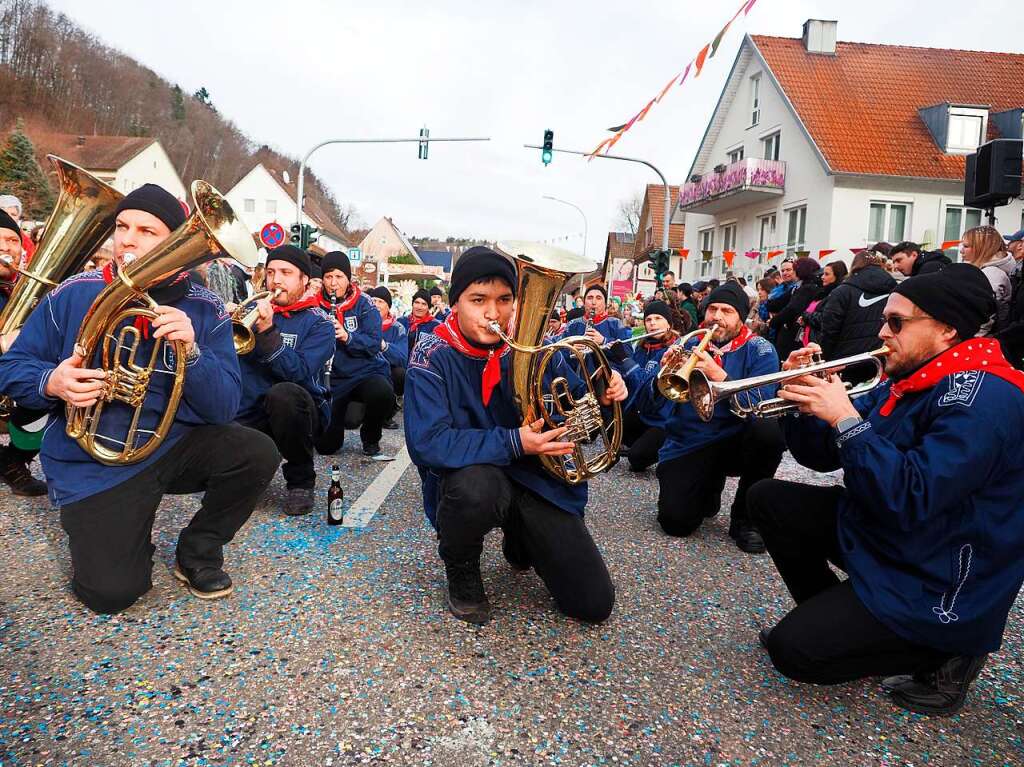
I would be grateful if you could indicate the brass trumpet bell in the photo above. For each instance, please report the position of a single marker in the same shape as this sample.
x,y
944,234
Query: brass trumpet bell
x,y
243,322
674,380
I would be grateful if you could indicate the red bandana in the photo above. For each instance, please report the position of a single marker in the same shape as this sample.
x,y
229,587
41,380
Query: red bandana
x,y
350,300
298,306
741,338
980,354
414,322
449,333
386,324
597,319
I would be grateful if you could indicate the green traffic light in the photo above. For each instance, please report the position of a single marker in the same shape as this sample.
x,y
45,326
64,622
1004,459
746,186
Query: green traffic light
x,y
545,157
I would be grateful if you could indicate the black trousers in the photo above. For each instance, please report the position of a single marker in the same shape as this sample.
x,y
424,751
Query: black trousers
x,y
830,637
643,441
109,533
378,396
478,499
691,485
398,379
290,417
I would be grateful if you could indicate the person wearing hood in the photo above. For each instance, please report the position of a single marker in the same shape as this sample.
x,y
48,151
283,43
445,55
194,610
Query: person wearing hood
x,y
784,322
984,248
910,260
359,372
852,317
419,321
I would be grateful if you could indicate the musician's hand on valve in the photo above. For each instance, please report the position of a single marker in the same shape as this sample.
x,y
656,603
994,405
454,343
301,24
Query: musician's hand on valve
x,y
799,358
825,398
265,315
537,442
174,325
74,384
707,365
615,391
672,356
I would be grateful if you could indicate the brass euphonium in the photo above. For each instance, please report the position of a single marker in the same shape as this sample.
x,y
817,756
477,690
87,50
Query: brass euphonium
x,y
674,380
212,231
543,271
81,220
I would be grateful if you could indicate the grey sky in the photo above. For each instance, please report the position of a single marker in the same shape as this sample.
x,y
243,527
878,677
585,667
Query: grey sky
x,y
507,70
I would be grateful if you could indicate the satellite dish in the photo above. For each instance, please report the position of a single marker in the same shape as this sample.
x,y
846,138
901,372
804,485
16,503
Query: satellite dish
x,y
287,178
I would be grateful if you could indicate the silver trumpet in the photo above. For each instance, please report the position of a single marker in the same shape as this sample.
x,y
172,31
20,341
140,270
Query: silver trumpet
x,y
742,393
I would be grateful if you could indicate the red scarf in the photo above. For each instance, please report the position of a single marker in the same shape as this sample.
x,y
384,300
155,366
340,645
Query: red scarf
x,y
655,345
347,303
298,306
449,333
414,323
741,338
597,319
975,354
386,324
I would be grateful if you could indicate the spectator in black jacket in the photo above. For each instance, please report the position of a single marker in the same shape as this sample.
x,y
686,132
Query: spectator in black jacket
x,y
831,277
785,322
911,261
852,317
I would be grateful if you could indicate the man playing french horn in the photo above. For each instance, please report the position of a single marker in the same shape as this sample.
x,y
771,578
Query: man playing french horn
x,y
696,457
108,510
479,464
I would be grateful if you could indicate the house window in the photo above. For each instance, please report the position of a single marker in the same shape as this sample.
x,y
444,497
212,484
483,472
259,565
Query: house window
x,y
735,155
958,221
755,99
707,243
249,206
966,129
649,235
728,243
767,240
889,221
796,225
271,206
771,147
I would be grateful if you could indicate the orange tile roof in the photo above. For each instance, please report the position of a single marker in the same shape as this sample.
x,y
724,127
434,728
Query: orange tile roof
x,y
619,245
654,203
96,153
861,105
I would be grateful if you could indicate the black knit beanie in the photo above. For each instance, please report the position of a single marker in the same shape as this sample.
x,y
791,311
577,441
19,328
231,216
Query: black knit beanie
x,y
382,293
157,201
732,294
960,296
476,264
660,308
336,260
6,222
295,256
436,291
421,294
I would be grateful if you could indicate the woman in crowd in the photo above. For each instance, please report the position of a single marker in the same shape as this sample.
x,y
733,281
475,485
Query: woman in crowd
x,y
984,248
831,277
785,322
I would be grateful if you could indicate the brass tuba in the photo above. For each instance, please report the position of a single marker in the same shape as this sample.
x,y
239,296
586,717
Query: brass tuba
x,y
543,271
212,231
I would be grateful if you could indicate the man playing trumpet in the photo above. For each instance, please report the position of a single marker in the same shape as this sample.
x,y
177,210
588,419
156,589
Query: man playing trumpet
x,y
928,525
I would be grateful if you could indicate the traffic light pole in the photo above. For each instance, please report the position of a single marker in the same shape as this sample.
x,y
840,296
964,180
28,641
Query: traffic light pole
x,y
302,165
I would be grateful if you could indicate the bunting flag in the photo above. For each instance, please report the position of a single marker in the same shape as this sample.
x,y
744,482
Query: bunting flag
x,y
684,253
697,64
752,254
823,253
773,253
950,244
728,256
706,255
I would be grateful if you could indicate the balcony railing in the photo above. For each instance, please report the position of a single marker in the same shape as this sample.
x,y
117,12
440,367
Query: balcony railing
x,y
751,175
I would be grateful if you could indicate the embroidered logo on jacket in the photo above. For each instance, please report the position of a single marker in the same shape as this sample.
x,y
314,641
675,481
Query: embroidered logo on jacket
x,y
427,344
351,324
963,388
289,339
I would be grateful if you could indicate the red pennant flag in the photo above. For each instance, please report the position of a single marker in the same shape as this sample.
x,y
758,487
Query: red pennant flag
x,y
857,251
823,253
700,59
752,254
665,89
684,253
728,256
749,6
773,253
686,73
642,114
950,244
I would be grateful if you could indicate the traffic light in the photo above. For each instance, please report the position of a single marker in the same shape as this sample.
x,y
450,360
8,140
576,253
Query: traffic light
x,y
660,261
423,145
309,234
549,147
295,238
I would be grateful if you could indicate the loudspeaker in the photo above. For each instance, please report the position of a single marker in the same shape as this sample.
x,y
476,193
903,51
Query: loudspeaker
x,y
992,176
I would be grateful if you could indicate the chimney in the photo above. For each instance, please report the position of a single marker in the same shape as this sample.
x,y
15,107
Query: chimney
x,y
81,141
820,36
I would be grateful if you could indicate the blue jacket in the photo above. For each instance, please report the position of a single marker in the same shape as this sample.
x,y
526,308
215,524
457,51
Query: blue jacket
x,y
211,393
361,356
685,431
649,358
448,427
610,327
930,526
396,348
414,335
295,349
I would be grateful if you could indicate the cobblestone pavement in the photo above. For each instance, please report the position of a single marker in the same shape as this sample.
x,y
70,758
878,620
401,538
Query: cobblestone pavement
x,y
336,649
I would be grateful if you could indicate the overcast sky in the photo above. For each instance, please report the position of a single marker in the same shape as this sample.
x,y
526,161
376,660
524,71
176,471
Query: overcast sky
x,y
295,73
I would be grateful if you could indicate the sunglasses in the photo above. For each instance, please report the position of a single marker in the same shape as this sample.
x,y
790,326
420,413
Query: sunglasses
x,y
895,322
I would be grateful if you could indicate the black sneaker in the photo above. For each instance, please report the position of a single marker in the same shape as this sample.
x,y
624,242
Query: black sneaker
x,y
390,424
371,449
749,540
21,481
204,582
299,501
938,693
762,637
467,599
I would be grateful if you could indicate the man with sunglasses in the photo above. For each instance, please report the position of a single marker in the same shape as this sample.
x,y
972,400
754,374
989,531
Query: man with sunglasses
x,y
927,526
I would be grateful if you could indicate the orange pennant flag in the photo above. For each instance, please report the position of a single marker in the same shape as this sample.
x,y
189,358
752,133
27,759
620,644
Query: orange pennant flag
x,y
950,244
600,146
665,89
728,256
642,115
823,253
684,253
700,59
773,253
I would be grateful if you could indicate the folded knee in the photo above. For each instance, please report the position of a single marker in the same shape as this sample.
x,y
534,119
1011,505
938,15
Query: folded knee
x,y
678,525
109,599
593,606
473,487
758,497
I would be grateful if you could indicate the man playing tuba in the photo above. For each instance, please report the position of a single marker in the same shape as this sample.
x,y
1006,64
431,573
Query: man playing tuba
x,y
478,463
108,510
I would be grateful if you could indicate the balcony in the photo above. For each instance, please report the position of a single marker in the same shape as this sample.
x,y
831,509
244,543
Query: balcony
x,y
742,183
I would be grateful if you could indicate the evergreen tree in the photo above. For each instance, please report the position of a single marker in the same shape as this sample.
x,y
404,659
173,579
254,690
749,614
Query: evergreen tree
x,y
203,97
21,175
177,103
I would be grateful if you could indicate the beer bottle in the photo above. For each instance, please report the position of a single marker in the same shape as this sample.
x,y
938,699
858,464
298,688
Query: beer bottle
x,y
335,498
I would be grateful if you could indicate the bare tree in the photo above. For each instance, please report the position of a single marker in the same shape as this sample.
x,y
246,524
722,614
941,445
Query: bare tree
x,y
628,213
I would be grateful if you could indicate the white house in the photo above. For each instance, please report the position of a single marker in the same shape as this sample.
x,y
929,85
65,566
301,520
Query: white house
x,y
124,162
823,145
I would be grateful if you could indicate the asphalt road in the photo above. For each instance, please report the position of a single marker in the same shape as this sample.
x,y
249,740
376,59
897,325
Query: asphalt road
x,y
336,649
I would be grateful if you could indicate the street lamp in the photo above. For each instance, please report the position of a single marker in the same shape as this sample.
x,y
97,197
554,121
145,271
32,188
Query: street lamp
x,y
585,229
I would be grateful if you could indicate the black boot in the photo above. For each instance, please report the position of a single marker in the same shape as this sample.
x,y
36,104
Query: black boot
x,y
466,596
204,582
940,692
16,474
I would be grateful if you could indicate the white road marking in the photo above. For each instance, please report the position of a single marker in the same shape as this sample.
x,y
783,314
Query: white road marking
x,y
362,511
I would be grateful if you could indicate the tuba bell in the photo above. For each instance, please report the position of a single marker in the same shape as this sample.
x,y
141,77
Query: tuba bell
x,y
212,231
543,271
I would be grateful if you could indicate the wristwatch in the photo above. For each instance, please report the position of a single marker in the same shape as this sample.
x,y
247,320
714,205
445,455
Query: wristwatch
x,y
847,423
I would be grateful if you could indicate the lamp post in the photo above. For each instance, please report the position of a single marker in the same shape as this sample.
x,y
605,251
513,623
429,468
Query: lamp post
x,y
585,229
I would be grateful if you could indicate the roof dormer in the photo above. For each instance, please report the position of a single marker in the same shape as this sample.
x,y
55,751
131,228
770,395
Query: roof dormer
x,y
956,128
